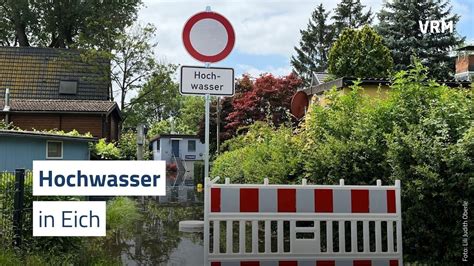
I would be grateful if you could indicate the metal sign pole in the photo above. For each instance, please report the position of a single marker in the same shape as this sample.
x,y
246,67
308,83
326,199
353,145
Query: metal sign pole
x,y
206,151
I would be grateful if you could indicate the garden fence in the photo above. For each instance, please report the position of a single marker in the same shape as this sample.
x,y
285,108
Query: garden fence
x,y
15,211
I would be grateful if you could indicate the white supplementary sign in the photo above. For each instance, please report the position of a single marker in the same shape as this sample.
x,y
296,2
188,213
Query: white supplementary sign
x,y
69,218
202,80
99,178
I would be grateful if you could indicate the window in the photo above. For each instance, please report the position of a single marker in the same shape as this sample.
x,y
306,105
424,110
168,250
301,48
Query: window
x,y
67,87
54,150
191,145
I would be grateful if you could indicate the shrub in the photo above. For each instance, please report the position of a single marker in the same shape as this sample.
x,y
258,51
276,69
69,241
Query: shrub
x,y
422,134
106,151
263,152
122,214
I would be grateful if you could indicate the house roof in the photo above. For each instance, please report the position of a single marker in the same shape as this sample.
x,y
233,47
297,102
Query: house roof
x,y
466,48
35,73
318,78
44,135
60,106
348,81
184,136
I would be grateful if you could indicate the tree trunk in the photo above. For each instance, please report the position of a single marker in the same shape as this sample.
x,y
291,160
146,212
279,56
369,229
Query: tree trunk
x,y
21,34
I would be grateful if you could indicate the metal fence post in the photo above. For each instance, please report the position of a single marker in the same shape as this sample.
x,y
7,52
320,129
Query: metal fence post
x,y
18,206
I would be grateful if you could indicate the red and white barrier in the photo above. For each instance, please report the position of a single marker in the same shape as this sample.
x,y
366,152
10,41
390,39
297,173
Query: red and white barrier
x,y
302,225
339,262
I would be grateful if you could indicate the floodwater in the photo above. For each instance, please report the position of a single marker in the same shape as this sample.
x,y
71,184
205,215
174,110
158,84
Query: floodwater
x,y
157,240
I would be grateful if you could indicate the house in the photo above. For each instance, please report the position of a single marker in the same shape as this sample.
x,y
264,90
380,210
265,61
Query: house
x,y
374,87
18,149
465,63
184,150
46,88
185,147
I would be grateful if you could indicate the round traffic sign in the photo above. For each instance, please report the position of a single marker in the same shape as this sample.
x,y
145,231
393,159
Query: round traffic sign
x,y
208,37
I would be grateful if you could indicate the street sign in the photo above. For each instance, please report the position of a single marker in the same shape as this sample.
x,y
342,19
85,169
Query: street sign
x,y
216,81
208,37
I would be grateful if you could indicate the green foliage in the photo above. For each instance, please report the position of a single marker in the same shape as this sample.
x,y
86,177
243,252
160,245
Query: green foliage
x,y
316,39
360,53
53,246
64,24
421,134
157,100
264,152
190,114
134,60
8,257
72,133
127,146
5,125
122,214
169,126
186,120
349,14
399,26
106,151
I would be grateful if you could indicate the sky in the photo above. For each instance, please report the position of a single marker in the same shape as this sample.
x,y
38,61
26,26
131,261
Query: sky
x,y
266,30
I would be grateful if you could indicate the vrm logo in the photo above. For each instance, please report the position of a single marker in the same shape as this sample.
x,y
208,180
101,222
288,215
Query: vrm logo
x,y
436,26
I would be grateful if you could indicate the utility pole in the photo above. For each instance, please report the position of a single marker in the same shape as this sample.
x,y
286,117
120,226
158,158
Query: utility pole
x,y
218,122
140,141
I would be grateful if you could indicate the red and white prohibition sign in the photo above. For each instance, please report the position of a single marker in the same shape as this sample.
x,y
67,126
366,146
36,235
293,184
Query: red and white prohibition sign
x,y
208,37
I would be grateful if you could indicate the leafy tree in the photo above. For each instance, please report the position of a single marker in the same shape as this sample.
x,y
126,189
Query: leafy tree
x,y
63,24
191,113
157,100
268,99
349,14
133,59
170,126
360,53
399,25
316,39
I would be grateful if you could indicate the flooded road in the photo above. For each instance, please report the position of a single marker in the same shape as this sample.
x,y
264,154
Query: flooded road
x,y
156,239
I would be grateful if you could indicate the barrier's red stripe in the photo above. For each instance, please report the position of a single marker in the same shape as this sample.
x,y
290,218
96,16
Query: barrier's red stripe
x,y
215,199
362,263
323,201
249,200
394,263
286,200
360,200
216,263
391,206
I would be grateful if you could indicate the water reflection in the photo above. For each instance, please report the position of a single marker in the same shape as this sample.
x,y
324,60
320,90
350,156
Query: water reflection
x,y
156,239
